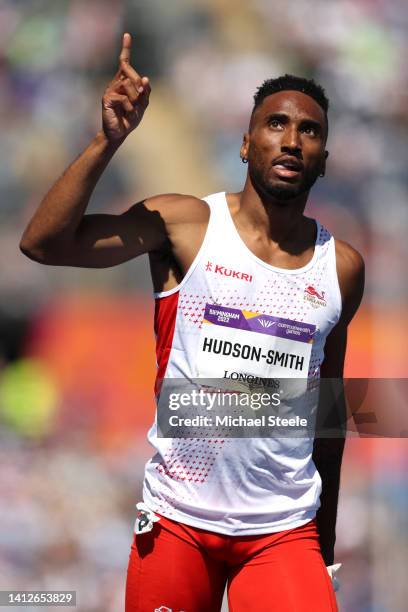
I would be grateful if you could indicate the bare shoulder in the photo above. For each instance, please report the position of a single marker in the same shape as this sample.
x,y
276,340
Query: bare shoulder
x,y
348,255
176,208
351,274
349,260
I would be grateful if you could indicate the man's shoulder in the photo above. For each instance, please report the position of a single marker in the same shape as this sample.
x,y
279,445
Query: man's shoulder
x,y
350,272
349,260
178,208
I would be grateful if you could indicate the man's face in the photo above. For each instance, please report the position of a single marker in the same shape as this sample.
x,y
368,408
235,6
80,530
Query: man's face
x,y
285,145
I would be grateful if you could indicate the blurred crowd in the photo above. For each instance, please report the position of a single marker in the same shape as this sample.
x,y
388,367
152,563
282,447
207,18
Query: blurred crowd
x,y
66,501
66,519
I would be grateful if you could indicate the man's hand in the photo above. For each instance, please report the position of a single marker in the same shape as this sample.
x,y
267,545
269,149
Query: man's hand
x,y
125,99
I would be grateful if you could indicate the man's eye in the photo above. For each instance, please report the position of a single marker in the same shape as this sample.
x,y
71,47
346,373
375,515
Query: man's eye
x,y
310,130
274,123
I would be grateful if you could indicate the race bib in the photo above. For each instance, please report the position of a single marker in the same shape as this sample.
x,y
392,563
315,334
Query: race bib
x,y
240,341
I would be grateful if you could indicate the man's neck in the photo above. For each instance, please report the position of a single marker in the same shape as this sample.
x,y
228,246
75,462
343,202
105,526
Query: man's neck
x,y
280,220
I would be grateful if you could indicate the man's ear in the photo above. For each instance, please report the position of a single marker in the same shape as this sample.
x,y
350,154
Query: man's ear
x,y
323,170
245,146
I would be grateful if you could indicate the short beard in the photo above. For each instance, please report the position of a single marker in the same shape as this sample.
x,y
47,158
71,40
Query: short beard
x,y
285,191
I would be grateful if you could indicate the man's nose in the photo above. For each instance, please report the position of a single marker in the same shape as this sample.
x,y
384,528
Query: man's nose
x,y
291,140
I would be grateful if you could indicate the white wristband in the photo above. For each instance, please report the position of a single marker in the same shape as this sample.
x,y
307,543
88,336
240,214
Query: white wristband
x,y
332,569
144,519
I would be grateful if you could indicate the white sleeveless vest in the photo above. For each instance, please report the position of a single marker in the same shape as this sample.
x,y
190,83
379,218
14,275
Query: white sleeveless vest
x,y
238,486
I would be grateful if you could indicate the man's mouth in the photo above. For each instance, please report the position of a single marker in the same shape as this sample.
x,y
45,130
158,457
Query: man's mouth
x,y
287,167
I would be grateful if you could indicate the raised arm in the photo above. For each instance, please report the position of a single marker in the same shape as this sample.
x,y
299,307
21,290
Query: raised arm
x,y
328,451
59,232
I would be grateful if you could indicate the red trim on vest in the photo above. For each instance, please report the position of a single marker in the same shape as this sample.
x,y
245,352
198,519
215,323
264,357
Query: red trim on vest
x,y
165,312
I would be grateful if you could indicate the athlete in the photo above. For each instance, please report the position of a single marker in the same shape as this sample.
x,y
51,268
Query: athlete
x,y
255,514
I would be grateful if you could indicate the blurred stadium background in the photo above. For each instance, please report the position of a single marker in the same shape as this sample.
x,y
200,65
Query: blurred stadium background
x,y
77,347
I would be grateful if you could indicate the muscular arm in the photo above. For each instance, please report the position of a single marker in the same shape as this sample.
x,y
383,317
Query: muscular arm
x,y
60,233
328,451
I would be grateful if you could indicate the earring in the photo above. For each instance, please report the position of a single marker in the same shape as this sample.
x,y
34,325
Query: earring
x,y
321,174
244,160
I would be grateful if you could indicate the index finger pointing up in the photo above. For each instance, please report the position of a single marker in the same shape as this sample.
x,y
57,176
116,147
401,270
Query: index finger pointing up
x,y
126,47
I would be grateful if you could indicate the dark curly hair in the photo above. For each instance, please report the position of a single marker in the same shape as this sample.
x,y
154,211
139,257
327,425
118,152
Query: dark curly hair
x,y
289,82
